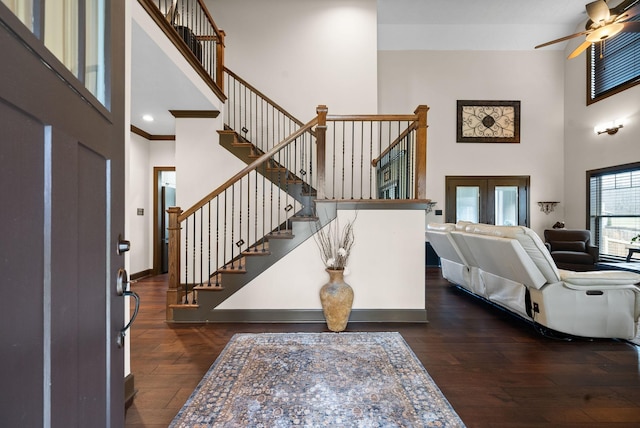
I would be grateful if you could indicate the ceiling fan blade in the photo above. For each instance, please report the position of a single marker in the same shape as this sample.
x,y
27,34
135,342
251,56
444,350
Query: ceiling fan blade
x,y
562,39
623,16
579,49
631,27
598,11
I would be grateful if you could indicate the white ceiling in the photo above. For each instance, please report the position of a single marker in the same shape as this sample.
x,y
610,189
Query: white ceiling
x,y
158,85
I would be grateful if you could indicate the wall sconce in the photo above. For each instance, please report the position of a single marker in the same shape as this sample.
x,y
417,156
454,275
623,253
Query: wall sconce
x,y
547,207
609,127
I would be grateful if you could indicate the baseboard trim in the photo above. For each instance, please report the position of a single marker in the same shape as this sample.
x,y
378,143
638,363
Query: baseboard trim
x,y
142,274
313,315
129,390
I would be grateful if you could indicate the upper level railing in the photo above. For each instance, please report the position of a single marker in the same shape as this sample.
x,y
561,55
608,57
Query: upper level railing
x,y
190,27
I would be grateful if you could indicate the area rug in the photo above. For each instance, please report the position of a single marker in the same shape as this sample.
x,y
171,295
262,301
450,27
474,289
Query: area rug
x,y
316,380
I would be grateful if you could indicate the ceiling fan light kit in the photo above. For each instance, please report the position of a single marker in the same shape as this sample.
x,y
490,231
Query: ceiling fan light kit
x,y
605,32
603,24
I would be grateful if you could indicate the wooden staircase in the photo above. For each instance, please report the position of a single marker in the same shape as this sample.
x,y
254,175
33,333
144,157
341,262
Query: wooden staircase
x,y
288,181
231,277
254,261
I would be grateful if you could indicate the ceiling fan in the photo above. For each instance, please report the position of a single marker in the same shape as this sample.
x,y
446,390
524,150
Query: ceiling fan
x,y
603,23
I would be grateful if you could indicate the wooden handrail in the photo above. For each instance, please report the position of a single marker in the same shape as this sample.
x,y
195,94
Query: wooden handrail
x,y
371,117
411,127
262,159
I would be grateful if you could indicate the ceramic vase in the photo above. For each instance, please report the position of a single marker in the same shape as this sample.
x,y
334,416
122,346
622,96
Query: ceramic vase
x,y
336,297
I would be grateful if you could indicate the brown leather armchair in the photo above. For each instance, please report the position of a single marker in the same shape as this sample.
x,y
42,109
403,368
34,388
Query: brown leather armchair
x,y
571,249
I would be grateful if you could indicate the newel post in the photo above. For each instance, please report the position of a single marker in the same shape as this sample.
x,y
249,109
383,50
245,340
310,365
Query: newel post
x,y
173,293
421,153
321,134
220,60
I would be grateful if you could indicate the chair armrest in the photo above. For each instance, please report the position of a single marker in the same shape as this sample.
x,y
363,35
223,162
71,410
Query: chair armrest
x,y
599,278
594,251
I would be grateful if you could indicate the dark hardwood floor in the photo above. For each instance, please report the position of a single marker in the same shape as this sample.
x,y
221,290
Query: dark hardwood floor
x,y
494,369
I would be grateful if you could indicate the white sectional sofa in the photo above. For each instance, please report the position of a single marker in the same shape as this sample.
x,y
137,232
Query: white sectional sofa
x,y
511,267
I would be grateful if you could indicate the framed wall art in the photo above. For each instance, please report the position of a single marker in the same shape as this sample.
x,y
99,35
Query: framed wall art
x,y
488,122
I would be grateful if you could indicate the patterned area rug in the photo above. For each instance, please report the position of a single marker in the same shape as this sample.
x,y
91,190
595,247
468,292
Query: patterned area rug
x,y
314,380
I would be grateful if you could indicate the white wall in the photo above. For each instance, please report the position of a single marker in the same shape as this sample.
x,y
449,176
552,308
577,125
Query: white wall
x,y
201,163
440,78
585,150
304,53
382,267
143,156
140,186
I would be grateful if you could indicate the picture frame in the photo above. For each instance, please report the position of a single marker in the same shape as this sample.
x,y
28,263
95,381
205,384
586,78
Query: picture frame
x,y
488,121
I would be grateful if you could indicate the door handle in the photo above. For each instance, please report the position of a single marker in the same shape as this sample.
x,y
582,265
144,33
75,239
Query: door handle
x,y
122,282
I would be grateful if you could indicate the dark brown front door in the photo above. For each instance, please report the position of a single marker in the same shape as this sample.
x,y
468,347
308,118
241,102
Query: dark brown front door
x,y
62,178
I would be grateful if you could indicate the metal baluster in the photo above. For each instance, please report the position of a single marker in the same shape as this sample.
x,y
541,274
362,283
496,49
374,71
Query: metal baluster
x,y
217,265
249,211
224,234
371,170
264,216
209,245
193,281
186,261
233,225
201,244
239,243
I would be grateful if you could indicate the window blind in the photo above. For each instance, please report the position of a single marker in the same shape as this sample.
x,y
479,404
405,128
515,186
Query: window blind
x,y
614,64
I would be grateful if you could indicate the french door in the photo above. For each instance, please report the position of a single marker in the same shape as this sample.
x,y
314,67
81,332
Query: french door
x,y
500,200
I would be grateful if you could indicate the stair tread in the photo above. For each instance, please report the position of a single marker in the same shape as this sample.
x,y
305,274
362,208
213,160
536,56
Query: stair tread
x,y
280,235
225,269
251,252
211,287
304,218
185,306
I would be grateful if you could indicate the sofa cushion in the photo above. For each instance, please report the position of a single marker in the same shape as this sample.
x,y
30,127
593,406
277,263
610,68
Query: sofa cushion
x,y
572,257
577,246
600,278
529,240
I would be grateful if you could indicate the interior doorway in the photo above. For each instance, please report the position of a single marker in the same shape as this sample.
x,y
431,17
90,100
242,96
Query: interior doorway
x,y
500,200
163,198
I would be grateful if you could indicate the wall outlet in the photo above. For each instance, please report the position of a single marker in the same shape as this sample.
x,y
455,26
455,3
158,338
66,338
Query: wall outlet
x,y
140,211
438,212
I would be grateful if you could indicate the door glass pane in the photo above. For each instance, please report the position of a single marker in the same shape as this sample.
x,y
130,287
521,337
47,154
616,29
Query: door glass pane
x,y
468,203
95,76
23,10
506,208
61,32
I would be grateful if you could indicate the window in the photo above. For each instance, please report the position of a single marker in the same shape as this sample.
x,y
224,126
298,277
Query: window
x,y
75,32
614,207
614,65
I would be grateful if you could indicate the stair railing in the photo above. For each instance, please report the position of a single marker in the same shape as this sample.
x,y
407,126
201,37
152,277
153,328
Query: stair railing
x,y
347,157
372,156
210,237
189,25
254,116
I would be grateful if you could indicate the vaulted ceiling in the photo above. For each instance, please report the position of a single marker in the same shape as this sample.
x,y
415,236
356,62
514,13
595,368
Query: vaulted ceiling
x,y
402,25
